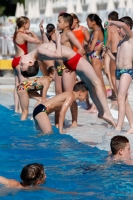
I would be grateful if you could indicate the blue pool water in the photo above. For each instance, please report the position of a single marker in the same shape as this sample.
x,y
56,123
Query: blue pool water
x,y
74,170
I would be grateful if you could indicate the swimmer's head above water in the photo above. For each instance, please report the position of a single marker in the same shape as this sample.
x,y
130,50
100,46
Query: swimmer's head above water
x,y
120,148
32,174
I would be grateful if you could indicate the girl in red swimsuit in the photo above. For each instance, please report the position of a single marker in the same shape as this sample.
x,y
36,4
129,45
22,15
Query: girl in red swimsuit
x,y
22,35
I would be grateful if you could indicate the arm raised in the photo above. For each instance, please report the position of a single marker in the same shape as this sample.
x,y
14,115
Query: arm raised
x,y
57,54
123,25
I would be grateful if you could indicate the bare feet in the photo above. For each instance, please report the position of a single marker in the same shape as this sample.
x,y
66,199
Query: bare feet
x,y
130,131
74,125
109,119
116,132
91,110
18,111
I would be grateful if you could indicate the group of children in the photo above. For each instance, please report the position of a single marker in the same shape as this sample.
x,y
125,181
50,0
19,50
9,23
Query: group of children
x,y
63,54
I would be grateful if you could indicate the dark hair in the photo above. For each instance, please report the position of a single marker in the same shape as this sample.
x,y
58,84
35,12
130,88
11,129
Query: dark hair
x,y
118,142
75,17
51,70
113,16
32,70
50,28
127,20
96,18
67,18
32,173
80,86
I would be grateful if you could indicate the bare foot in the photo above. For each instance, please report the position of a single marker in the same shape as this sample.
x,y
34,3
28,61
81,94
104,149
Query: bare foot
x,y
130,131
74,125
91,110
109,119
113,132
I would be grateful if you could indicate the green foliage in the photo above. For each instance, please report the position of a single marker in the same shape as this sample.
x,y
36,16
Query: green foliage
x,y
20,1
2,9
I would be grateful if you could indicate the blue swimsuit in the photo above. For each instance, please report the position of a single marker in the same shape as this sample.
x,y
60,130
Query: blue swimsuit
x,y
119,72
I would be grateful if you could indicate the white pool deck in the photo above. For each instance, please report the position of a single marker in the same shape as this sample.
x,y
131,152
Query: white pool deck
x,y
93,131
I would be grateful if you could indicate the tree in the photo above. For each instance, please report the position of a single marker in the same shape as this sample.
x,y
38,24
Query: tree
x,y
8,7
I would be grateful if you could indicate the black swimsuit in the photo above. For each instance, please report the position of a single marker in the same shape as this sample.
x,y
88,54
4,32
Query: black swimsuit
x,y
38,109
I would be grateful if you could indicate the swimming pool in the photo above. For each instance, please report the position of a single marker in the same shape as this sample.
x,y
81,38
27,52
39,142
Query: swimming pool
x,y
74,170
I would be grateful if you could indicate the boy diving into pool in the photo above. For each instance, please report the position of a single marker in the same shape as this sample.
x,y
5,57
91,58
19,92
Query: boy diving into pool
x,y
61,103
74,62
31,175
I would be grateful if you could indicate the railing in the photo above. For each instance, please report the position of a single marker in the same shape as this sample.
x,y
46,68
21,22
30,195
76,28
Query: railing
x,y
7,46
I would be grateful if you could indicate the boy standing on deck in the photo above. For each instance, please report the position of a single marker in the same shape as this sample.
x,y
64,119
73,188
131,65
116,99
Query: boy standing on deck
x,y
124,70
68,39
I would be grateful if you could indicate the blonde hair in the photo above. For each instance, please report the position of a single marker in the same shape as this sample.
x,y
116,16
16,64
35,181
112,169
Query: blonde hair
x,y
20,22
75,17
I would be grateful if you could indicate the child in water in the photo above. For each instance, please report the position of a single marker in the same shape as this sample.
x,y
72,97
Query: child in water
x,y
120,149
31,175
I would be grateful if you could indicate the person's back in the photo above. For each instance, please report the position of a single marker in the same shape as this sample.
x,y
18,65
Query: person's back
x,y
114,37
112,41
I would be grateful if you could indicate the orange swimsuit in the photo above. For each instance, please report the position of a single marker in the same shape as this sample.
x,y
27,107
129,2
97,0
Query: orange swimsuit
x,y
16,60
79,35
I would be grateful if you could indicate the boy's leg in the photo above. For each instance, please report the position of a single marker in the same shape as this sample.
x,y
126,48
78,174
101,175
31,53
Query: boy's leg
x,y
44,122
87,74
24,102
92,92
68,82
123,87
129,115
112,72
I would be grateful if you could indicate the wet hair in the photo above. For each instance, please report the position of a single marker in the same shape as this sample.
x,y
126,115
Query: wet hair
x,y
118,142
32,70
113,16
50,28
32,173
80,86
75,17
67,18
96,18
127,20
51,70
20,22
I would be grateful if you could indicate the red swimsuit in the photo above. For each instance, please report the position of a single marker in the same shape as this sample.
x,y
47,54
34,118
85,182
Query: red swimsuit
x,y
72,62
16,60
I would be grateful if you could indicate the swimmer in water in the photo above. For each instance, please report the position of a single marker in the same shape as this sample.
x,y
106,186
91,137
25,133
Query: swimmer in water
x,y
31,175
